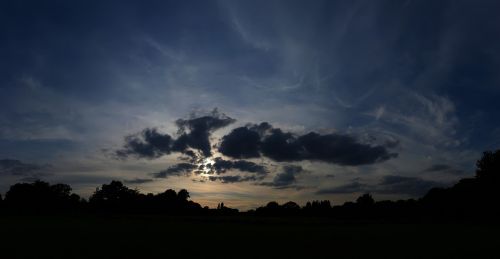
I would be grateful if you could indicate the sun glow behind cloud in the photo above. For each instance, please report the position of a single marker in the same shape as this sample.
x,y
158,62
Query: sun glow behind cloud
x,y
207,163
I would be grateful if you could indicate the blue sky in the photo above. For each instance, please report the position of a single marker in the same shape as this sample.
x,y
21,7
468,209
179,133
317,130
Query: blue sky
x,y
419,79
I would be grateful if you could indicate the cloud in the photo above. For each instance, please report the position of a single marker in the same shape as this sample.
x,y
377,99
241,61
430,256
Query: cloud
x,y
176,170
221,166
33,178
264,140
232,178
194,133
287,178
430,118
28,172
346,188
437,167
16,167
444,168
138,180
389,184
413,186
241,143
391,143
147,144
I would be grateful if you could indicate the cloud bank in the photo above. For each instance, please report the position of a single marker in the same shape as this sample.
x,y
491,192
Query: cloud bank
x,y
264,140
194,134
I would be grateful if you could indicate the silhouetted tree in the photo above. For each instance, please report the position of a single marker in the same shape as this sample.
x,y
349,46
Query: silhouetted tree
x,y
41,196
168,195
291,206
488,167
166,201
272,205
365,200
114,196
191,205
318,207
183,195
115,191
470,197
272,208
223,210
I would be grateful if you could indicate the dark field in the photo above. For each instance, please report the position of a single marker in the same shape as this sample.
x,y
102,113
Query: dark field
x,y
239,237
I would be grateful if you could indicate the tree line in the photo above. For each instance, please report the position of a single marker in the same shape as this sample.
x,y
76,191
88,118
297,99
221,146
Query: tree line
x,y
42,197
470,198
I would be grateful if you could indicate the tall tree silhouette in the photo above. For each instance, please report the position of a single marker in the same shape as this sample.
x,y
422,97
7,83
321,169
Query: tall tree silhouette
x,y
488,167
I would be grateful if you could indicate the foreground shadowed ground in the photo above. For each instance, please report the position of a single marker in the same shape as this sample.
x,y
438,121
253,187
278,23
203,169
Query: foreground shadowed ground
x,y
239,237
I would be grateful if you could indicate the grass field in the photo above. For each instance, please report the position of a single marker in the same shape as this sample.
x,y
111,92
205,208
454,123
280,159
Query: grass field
x,y
239,237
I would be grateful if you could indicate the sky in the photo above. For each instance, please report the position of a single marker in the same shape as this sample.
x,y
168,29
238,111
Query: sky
x,y
245,102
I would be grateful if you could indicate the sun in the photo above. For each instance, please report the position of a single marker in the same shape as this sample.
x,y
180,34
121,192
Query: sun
x,y
207,164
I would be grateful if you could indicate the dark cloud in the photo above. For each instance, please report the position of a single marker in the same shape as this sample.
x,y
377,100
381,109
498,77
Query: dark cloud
x,y
33,178
241,143
413,186
353,187
437,167
147,144
16,167
138,180
233,178
176,170
287,178
342,150
27,171
281,146
262,139
36,149
189,156
389,184
84,179
194,133
444,168
221,166
391,143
